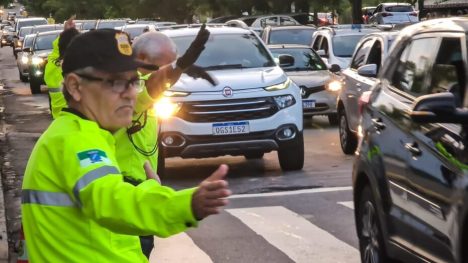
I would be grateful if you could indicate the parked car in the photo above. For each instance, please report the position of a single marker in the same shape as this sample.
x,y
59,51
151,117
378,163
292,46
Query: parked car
x,y
394,13
24,57
108,23
254,108
301,35
7,36
40,50
360,77
318,86
410,178
336,44
85,25
222,19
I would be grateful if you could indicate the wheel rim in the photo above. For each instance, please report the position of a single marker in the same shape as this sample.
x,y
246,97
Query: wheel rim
x,y
370,234
342,127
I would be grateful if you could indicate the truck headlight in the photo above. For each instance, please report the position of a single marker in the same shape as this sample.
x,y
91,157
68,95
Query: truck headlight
x,y
284,101
334,85
165,108
279,86
37,60
24,59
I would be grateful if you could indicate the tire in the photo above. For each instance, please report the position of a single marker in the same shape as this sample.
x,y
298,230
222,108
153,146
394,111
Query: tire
x,y
161,171
23,78
333,119
348,140
254,155
371,245
291,155
35,86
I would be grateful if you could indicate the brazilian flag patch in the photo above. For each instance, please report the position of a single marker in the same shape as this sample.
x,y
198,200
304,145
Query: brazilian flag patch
x,y
91,157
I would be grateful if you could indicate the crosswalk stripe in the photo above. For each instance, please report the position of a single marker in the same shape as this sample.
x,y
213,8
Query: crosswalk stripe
x,y
301,240
178,248
295,192
348,204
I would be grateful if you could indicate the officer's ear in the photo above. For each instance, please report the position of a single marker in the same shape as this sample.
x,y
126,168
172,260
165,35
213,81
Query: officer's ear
x,y
72,85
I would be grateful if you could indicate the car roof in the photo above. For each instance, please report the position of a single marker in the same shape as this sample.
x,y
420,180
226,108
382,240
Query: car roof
x,y
213,31
344,30
278,28
31,19
281,46
453,24
49,32
399,3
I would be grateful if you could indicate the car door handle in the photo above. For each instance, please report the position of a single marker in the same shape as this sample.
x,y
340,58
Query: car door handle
x,y
378,123
413,148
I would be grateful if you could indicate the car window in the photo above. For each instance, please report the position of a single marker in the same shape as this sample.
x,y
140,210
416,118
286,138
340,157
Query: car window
x,y
360,56
31,23
411,73
292,36
448,72
135,31
229,50
343,46
44,42
287,21
25,31
399,8
28,41
88,25
316,44
304,59
378,9
271,21
375,54
324,45
110,24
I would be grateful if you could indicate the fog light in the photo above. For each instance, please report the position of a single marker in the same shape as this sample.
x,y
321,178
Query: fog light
x,y
169,140
287,132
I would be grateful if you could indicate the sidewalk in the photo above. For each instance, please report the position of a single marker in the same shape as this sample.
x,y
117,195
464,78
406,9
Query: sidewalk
x,y
3,222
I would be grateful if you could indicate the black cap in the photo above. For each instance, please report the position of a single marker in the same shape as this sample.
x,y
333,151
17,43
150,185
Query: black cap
x,y
108,50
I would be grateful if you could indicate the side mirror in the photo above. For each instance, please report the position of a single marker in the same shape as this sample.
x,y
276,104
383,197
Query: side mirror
x,y
286,60
322,53
369,70
335,68
438,107
27,49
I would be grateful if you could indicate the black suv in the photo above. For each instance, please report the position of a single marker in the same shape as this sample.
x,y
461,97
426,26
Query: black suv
x,y
410,177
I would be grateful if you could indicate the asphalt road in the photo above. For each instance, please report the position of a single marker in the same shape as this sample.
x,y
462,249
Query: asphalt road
x,y
303,216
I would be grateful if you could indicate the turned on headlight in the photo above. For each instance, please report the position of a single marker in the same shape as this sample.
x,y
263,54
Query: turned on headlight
x,y
165,108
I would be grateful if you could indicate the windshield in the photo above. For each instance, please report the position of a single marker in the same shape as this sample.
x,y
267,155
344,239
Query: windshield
x,y
134,31
25,31
304,59
44,42
229,51
399,8
28,40
111,24
46,28
343,46
292,36
88,25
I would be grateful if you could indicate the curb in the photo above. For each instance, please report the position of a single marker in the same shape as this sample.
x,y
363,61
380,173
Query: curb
x,y
3,223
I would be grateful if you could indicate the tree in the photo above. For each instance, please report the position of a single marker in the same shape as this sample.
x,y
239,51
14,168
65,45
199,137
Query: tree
x,y
356,6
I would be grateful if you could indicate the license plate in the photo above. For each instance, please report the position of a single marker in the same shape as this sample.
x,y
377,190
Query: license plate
x,y
227,128
308,104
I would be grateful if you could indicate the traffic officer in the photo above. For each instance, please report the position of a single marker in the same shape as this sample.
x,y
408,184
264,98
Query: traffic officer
x,y
76,206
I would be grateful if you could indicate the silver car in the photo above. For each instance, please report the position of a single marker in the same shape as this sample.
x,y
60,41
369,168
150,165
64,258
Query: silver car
x,y
24,58
360,77
319,89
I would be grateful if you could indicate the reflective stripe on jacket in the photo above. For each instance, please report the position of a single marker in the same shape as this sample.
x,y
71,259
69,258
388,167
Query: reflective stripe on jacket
x,y
76,207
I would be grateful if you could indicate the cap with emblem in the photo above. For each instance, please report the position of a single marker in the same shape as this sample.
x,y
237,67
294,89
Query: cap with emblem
x,y
108,50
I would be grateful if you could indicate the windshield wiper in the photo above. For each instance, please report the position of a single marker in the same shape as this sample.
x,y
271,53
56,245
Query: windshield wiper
x,y
227,66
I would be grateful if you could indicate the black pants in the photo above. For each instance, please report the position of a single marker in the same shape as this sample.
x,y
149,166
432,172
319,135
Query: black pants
x,y
147,244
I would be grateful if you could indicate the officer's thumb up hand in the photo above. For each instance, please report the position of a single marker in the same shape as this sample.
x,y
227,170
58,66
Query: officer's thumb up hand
x,y
211,194
150,174
195,49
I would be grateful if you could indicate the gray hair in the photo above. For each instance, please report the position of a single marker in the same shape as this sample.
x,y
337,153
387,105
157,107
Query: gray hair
x,y
84,71
152,45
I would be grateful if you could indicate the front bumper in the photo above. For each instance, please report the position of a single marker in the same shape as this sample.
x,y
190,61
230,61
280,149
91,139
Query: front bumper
x,y
324,103
201,146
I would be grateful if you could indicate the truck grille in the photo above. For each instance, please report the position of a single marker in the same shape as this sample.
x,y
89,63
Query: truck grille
x,y
228,110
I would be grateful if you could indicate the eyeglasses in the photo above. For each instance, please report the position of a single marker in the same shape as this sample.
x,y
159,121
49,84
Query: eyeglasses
x,y
116,85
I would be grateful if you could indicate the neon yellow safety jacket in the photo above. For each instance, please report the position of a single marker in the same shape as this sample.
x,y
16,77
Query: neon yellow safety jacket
x,y
76,206
137,148
53,79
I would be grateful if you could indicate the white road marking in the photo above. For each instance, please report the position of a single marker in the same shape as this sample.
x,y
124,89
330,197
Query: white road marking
x,y
295,192
178,248
299,239
348,204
